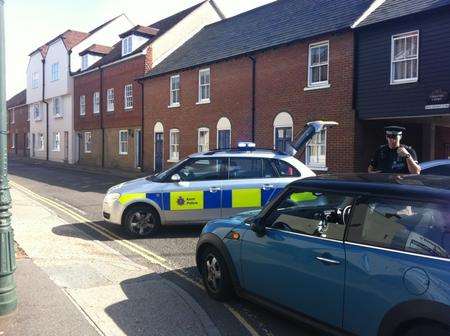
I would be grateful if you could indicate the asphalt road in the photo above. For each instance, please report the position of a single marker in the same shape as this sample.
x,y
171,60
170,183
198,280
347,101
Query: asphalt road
x,y
83,192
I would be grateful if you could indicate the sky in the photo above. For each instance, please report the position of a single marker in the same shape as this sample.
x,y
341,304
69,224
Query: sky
x,y
31,23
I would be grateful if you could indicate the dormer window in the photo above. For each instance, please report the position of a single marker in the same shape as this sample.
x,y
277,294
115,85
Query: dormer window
x,y
84,62
127,45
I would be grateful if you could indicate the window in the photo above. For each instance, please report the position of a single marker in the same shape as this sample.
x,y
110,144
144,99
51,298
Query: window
x,y
203,170
35,80
203,139
13,140
36,112
417,227
41,142
174,149
316,150
27,140
82,105
283,137
405,58
96,102
87,142
223,133
127,45
175,91
56,142
204,79
110,100
13,116
248,168
84,62
55,72
318,64
123,142
57,107
128,96
285,169
310,213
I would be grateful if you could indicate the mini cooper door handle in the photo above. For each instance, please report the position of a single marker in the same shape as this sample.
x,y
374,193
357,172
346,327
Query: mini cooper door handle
x,y
328,261
267,186
214,189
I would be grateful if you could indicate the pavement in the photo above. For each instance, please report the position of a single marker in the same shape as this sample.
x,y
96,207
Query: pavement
x,y
71,284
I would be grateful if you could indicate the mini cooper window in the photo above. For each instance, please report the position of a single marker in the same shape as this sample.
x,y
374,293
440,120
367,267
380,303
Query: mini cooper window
x,y
203,170
416,227
312,213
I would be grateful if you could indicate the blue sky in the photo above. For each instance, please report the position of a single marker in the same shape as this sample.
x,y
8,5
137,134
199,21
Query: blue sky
x,y
31,23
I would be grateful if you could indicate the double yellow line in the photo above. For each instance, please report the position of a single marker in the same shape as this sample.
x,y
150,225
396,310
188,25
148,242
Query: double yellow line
x,y
144,253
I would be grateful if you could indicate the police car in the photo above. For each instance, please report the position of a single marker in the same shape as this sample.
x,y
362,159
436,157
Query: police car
x,y
205,186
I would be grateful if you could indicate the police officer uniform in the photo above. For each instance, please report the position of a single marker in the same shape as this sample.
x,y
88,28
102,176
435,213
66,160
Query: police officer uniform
x,y
387,160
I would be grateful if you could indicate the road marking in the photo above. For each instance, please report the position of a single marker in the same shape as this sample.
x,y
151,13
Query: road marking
x,y
150,256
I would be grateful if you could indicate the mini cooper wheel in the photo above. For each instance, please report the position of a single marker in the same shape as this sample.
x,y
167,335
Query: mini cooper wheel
x,y
215,274
142,221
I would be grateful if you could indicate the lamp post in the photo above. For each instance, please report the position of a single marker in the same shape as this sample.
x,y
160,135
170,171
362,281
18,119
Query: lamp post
x,y
8,297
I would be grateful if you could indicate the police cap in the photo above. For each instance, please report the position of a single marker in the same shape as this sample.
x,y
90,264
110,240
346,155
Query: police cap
x,y
394,130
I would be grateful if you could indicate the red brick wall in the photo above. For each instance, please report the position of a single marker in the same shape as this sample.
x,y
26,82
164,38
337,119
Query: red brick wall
x,y
20,127
281,76
86,85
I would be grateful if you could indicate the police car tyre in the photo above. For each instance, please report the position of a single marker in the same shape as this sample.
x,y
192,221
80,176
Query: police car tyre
x,y
215,274
426,329
142,220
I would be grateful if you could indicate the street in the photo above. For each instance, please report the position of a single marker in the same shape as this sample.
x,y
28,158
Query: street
x,y
77,197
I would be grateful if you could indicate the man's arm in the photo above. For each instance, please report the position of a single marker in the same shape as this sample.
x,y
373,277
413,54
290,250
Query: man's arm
x,y
374,163
411,160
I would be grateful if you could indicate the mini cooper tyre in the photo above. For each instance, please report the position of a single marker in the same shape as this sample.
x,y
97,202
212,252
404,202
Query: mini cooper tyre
x,y
215,274
142,221
426,329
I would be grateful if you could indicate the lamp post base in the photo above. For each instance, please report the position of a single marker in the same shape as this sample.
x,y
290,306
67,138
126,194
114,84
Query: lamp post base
x,y
8,297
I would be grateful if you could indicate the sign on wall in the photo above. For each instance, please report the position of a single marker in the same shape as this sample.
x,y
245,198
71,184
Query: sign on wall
x,y
438,99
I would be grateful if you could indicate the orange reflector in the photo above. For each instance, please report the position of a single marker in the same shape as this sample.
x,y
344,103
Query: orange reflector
x,y
234,235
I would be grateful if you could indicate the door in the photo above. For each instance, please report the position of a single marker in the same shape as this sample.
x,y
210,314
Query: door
x,y
196,197
66,146
299,262
33,144
251,184
138,148
223,139
283,136
159,137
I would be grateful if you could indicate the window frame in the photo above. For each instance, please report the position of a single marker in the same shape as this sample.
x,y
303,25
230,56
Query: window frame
x,y
82,104
96,102
121,152
206,144
35,80
84,62
86,150
13,117
56,107
202,100
316,166
56,142
404,36
172,102
110,100
127,45
320,84
55,72
41,141
36,107
13,140
128,99
171,152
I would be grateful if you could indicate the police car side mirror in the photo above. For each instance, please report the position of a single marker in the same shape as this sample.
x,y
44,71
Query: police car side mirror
x,y
175,178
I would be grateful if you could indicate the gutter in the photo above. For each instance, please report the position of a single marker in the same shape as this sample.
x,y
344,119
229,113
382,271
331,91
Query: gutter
x,y
141,147
253,59
101,117
46,109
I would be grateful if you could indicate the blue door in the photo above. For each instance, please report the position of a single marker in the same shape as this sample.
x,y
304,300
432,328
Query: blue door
x,y
300,262
224,139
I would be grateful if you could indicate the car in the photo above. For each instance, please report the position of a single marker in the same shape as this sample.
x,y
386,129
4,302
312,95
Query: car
x,y
436,167
359,254
208,185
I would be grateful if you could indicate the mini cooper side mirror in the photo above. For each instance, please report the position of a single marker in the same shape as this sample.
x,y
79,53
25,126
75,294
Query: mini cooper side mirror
x,y
257,226
175,178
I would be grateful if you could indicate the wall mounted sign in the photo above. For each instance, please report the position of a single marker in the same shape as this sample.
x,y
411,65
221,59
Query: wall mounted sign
x,y
438,99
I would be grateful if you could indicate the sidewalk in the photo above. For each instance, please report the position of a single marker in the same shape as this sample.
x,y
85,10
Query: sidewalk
x,y
74,285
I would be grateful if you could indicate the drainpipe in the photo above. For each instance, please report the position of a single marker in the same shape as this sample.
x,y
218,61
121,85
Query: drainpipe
x,y
101,117
46,109
141,147
253,59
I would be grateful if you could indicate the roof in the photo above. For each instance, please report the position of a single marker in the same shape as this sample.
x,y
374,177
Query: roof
x,y
141,31
161,26
393,9
96,49
258,152
17,100
420,187
268,26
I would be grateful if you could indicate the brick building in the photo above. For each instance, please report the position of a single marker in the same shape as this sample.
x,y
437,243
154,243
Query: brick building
x,y
18,125
108,100
259,76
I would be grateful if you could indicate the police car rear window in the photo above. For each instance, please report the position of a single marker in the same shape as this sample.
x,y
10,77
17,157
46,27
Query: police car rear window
x,y
285,169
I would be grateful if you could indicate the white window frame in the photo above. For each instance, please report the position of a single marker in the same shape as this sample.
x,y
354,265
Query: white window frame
x,y
13,140
203,147
406,59
13,116
55,72
35,80
82,105
321,84
110,100
41,141
87,135
123,142
128,97
96,102
203,100
84,62
313,143
56,104
36,107
127,45
174,92
174,155
56,141
28,140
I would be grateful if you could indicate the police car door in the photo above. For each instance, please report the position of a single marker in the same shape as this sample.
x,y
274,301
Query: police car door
x,y
250,185
193,192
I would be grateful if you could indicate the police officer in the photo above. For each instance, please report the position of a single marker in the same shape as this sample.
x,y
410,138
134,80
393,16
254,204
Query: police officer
x,y
394,157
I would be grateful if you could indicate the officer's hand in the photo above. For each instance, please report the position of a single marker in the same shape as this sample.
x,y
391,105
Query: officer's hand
x,y
402,151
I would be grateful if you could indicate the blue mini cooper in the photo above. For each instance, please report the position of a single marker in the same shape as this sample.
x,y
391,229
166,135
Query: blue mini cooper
x,y
364,254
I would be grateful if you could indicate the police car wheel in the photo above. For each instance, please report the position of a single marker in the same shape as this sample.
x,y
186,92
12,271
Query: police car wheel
x,y
142,221
216,277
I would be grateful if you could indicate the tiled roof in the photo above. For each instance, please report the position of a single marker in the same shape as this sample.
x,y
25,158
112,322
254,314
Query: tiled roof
x,y
70,39
17,100
162,26
140,30
96,49
274,24
392,9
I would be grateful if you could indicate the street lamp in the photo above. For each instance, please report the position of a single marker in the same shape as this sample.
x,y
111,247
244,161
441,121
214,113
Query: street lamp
x,y
8,297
